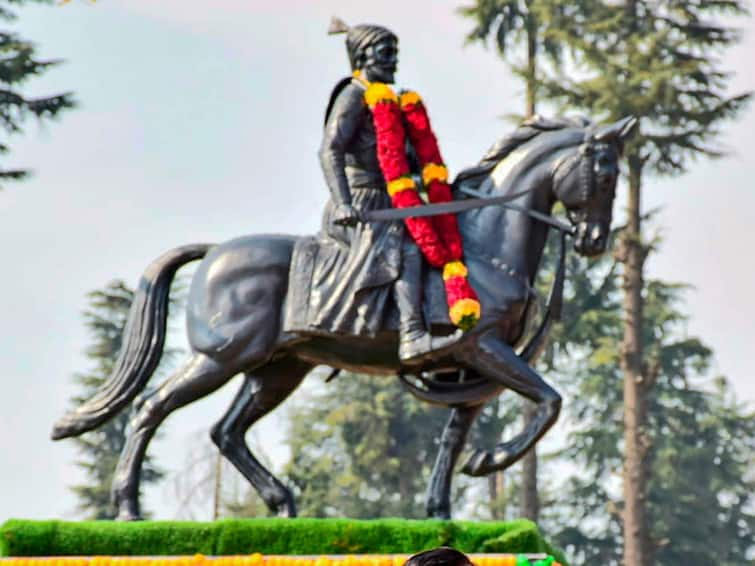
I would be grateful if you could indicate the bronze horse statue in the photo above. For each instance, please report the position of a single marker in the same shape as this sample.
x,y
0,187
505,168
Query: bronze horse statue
x,y
240,289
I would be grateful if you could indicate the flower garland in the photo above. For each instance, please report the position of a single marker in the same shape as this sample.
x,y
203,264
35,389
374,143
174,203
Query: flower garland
x,y
437,237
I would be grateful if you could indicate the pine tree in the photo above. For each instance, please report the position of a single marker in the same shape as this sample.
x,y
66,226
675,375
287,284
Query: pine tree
x,y
105,319
18,63
362,447
512,23
498,419
700,492
657,61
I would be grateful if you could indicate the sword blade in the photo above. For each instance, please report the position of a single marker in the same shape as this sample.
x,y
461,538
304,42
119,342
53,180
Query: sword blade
x,y
388,214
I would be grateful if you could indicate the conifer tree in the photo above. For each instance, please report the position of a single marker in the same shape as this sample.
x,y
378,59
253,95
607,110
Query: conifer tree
x,y
500,417
511,24
362,447
658,61
18,63
700,491
655,60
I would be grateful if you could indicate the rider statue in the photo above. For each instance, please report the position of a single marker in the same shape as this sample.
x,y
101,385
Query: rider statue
x,y
379,252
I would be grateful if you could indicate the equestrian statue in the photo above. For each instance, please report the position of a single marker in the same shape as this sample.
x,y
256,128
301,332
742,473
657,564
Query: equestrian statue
x,y
412,277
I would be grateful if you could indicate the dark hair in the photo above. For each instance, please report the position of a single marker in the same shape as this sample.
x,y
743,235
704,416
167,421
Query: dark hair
x,y
441,556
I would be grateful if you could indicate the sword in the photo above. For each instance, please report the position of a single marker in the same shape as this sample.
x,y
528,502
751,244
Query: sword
x,y
387,214
480,201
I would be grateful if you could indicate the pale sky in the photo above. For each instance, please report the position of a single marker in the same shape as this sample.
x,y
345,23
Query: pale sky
x,y
200,121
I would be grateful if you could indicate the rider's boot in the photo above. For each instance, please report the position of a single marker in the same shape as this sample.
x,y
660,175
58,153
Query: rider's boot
x,y
416,344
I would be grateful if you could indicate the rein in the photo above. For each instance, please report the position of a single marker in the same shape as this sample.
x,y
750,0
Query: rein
x,y
477,199
480,200
477,391
555,298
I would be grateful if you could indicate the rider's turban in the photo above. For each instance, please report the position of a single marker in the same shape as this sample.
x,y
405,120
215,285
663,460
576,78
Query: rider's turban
x,y
359,38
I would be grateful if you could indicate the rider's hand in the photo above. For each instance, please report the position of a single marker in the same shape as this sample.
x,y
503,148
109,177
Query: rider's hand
x,y
346,215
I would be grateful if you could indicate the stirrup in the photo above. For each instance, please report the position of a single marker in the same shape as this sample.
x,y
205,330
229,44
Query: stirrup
x,y
424,345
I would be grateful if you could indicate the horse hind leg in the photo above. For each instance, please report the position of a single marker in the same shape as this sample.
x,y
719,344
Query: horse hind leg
x,y
198,377
263,389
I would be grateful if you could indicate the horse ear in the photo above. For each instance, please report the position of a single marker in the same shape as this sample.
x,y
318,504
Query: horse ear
x,y
619,131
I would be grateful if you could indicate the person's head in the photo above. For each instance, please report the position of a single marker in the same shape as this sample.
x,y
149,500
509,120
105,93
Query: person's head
x,y
442,556
372,49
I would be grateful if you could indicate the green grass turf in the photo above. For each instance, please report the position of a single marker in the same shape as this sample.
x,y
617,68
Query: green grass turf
x,y
266,536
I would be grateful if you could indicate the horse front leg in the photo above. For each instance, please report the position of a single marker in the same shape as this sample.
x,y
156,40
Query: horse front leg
x,y
438,499
495,359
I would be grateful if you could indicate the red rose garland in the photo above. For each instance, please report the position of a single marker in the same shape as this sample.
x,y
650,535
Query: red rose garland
x,y
437,237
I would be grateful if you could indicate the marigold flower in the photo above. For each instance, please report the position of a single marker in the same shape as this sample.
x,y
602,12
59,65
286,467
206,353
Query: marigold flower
x,y
465,313
409,97
434,172
438,238
249,560
454,269
379,92
400,184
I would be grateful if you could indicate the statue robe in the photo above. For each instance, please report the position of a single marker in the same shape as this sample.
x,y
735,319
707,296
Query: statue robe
x,y
349,270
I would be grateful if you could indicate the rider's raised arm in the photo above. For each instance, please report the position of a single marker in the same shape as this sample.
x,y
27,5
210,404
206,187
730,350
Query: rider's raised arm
x,y
345,117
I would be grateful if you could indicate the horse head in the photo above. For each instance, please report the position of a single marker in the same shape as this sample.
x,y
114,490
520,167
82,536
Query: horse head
x,y
585,183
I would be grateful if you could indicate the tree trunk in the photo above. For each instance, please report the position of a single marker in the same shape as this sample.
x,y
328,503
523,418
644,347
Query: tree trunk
x,y
216,495
531,63
496,495
529,504
635,387
493,496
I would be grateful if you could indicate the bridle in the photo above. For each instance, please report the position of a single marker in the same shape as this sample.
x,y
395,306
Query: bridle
x,y
479,390
584,158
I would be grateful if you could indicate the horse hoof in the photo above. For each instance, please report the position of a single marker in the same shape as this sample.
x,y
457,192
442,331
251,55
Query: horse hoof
x,y
442,514
285,512
127,510
127,516
478,464
286,509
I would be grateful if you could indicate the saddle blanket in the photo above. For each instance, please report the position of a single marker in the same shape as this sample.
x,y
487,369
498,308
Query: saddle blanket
x,y
364,312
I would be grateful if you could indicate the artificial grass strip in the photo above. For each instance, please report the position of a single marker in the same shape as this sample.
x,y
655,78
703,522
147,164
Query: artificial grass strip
x,y
331,536
266,536
68,538
522,538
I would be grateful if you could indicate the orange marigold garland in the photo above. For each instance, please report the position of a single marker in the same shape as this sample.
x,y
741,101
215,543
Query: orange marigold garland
x,y
260,560
389,131
434,172
437,237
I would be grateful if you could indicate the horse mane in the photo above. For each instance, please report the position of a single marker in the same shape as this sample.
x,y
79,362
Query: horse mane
x,y
526,131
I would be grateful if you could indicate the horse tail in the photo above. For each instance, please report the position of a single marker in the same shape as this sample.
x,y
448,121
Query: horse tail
x,y
143,342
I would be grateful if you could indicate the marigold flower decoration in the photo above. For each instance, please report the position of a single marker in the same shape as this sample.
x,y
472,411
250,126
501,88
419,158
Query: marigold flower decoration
x,y
437,237
259,560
